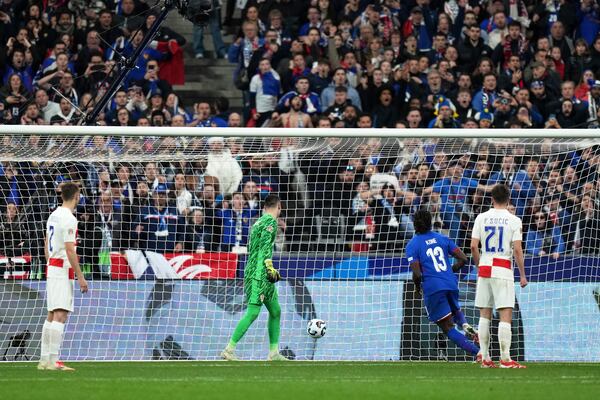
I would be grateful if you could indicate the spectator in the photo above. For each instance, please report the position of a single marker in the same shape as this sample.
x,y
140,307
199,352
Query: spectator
x,y
587,236
110,223
47,108
454,191
151,83
199,237
252,195
384,113
485,98
392,218
521,187
236,222
444,115
183,198
14,95
311,100
128,17
295,117
203,118
13,233
265,87
158,227
108,32
19,67
223,166
544,238
339,79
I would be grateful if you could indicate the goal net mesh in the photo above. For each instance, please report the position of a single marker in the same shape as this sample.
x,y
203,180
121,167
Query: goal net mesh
x,y
164,224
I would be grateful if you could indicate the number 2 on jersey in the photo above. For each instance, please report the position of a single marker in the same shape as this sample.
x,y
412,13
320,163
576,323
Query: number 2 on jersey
x,y
437,256
492,232
51,231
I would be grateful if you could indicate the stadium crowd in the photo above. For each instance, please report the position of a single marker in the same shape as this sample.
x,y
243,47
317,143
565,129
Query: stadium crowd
x,y
301,64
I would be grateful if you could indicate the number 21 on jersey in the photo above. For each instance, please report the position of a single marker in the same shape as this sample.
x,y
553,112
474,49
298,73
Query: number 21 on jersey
x,y
492,230
437,256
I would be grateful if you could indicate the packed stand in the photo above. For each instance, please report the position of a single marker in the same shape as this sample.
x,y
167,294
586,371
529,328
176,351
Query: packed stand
x,y
61,56
437,64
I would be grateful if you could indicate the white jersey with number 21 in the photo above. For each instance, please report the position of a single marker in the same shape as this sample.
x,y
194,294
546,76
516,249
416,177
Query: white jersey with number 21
x,y
60,229
496,230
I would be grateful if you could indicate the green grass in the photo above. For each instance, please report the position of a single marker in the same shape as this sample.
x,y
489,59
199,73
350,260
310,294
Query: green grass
x,y
293,380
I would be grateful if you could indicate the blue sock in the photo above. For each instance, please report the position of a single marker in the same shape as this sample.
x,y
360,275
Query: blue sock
x,y
462,342
459,318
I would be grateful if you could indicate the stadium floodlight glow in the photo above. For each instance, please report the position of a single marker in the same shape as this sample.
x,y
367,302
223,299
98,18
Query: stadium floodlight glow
x,y
340,249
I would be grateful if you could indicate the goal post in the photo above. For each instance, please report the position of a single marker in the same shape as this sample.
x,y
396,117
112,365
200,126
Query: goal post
x,y
165,215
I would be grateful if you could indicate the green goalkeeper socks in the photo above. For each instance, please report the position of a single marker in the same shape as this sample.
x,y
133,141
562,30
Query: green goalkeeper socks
x,y
242,326
273,324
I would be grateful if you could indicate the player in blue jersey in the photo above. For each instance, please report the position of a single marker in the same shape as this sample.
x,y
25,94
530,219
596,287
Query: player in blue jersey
x,y
427,254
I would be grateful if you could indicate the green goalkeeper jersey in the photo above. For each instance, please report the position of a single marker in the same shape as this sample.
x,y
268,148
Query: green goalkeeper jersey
x,y
262,237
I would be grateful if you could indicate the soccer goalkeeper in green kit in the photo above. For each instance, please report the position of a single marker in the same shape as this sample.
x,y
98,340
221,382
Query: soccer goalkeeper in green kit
x,y
259,281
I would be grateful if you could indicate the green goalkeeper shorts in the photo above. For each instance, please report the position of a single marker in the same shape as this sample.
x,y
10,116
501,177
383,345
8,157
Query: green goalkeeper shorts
x,y
259,292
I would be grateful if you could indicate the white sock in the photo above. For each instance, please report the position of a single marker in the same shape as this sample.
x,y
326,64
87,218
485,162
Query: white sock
x,y
504,337
484,338
45,352
56,331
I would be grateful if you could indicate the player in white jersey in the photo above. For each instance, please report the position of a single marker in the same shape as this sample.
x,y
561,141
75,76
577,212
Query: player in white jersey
x,y
501,236
63,266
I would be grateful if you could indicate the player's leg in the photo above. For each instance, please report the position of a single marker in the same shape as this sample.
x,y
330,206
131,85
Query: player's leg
x,y
459,317
45,345
485,320
504,295
252,313
60,303
274,324
485,302
447,326
449,303
55,336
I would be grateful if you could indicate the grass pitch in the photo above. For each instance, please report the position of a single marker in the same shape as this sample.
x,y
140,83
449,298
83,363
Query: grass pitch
x,y
295,380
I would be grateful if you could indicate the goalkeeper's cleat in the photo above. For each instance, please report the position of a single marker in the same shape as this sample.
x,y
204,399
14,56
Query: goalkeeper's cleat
x,y
59,366
229,355
276,356
488,364
511,364
42,365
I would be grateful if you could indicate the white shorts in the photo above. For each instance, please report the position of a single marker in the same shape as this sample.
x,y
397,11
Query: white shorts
x,y
495,293
59,294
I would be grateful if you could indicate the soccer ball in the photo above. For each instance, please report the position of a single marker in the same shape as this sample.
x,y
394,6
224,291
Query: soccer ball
x,y
316,328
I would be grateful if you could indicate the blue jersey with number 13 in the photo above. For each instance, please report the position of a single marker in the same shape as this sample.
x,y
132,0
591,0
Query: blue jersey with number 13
x,y
432,251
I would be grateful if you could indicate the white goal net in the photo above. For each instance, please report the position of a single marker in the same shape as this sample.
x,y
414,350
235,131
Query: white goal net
x,y
164,224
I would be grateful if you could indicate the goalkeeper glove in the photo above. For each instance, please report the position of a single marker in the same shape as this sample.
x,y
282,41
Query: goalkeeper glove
x,y
272,274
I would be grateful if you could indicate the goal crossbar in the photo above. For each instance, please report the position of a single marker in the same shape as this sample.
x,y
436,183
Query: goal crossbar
x,y
56,130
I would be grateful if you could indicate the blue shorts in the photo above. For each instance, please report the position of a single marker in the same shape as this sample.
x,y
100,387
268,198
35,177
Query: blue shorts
x,y
441,304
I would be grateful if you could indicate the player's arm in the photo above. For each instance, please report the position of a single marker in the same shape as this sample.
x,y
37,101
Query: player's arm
x,y
417,276
475,250
266,253
520,260
460,259
74,261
